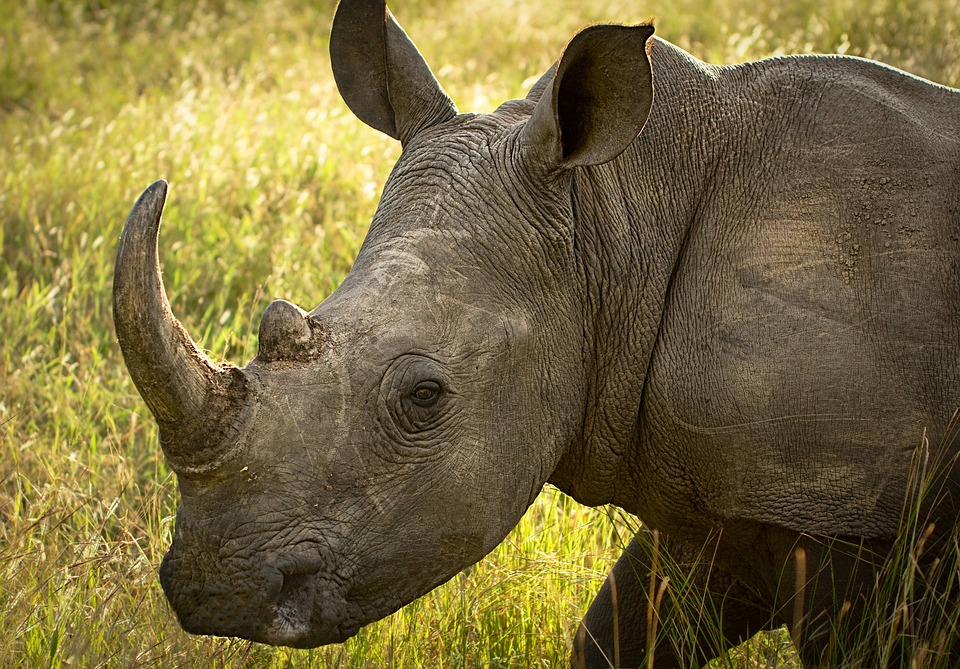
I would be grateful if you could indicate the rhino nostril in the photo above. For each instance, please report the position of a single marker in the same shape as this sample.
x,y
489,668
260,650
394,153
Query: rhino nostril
x,y
292,585
296,592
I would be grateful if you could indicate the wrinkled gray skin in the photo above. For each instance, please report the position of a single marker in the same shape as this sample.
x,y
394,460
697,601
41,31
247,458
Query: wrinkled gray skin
x,y
736,325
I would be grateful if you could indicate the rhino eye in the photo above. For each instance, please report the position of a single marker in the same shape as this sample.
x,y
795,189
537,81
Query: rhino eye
x,y
416,392
426,394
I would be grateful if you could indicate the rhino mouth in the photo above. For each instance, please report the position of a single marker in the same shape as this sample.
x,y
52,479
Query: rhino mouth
x,y
310,611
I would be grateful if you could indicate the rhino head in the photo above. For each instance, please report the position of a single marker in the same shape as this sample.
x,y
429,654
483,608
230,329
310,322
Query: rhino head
x,y
394,435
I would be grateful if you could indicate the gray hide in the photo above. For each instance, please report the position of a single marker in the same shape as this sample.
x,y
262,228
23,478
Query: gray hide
x,y
737,324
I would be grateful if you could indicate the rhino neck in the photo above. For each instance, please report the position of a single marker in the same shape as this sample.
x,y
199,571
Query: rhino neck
x,y
633,216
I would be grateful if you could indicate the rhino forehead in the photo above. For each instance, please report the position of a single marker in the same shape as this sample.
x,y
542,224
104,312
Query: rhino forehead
x,y
445,169
477,219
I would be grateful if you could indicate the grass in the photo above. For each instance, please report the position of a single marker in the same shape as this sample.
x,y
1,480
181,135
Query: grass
x,y
272,185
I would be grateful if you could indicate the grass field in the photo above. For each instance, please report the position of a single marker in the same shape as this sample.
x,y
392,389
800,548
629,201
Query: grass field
x,y
272,183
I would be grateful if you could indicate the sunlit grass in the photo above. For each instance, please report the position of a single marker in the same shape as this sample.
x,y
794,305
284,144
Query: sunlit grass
x,y
273,182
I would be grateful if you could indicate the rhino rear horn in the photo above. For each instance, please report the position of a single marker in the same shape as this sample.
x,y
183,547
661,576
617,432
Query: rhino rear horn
x,y
176,380
381,74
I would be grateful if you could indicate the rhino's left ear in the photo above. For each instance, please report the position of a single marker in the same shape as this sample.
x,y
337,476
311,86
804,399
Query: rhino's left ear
x,y
598,102
381,74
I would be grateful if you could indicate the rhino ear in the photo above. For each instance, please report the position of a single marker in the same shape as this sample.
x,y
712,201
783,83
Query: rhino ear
x,y
381,74
598,101
543,83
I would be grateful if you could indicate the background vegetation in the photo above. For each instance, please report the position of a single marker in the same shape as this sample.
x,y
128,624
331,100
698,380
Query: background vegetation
x,y
272,185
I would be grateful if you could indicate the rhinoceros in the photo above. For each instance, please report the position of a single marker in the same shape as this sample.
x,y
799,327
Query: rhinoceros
x,y
724,299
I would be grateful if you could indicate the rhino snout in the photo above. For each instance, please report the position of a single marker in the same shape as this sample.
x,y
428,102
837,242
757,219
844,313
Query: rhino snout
x,y
297,606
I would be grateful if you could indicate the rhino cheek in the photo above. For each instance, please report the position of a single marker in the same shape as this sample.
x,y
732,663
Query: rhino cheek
x,y
414,559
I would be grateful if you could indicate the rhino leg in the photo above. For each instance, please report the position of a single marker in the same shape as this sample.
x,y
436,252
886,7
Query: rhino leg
x,y
844,601
614,632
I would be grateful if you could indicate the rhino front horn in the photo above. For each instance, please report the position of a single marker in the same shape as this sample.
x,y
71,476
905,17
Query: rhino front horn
x,y
177,381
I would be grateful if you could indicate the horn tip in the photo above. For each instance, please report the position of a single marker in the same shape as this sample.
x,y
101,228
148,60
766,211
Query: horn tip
x,y
148,207
155,192
157,189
